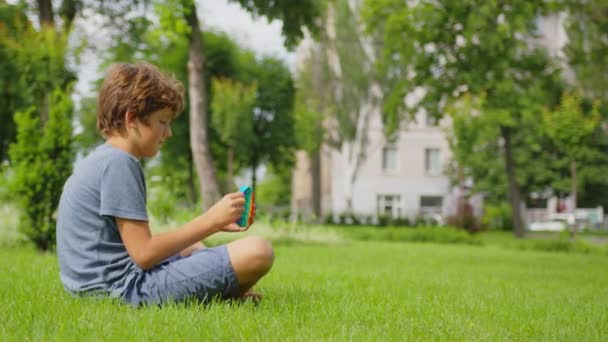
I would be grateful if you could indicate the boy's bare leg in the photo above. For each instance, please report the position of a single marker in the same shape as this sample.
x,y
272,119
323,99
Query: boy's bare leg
x,y
189,250
251,258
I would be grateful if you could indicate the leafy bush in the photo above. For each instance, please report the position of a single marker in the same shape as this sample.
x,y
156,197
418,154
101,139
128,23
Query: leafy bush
x,y
562,244
464,217
446,235
498,216
41,160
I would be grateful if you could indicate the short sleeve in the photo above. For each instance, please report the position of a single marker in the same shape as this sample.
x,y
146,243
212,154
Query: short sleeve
x,y
123,190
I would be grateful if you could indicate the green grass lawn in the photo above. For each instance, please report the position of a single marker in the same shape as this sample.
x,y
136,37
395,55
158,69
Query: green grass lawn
x,y
360,291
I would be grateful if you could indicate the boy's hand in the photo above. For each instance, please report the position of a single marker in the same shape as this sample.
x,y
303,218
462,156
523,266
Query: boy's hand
x,y
227,211
233,227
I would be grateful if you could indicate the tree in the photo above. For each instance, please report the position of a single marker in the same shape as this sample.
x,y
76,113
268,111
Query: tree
x,y
352,87
32,65
472,137
571,131
59,20
42,159
480,47
12,97
587,47
232,105
273,126
199,141
294,16
311,108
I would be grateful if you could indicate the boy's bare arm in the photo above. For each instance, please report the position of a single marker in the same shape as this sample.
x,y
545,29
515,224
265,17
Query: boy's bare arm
x,y
147,250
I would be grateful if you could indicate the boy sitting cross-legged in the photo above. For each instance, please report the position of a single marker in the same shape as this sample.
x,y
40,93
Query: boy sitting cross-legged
x,y
104,242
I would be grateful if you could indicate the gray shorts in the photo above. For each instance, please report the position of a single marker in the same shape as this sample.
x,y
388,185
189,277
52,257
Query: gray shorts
x,y
204,275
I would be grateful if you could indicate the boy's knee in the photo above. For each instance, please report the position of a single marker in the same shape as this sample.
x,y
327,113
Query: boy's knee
x,y
260,253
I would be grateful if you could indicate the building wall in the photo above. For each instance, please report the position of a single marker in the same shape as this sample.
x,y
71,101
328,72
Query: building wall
x,y
409,180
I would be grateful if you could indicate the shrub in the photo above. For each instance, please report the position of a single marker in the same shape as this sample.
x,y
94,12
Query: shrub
x,y
562,244
384,220
402,222
41,159
498,216
328,219
445,235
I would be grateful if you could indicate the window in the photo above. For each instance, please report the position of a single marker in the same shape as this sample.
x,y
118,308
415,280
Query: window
x,y
389,158
431,201
431,161
389,205
430,204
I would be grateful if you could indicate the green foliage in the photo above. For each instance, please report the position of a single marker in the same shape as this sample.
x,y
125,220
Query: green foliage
x,y
275,189
309,133
232,107
295,15
36,112
31,65
337,92
570,129
13,23
444,235
475,46
497,216
485,50
42,161
311,102
40,59
167,195
587,47
87,137
474,143
357,73
273,121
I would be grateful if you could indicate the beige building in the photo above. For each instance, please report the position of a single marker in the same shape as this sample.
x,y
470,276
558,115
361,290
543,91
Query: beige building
x,y
402,179
406,178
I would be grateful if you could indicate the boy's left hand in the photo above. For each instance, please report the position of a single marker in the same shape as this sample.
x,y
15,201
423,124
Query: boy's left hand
x,y
233,227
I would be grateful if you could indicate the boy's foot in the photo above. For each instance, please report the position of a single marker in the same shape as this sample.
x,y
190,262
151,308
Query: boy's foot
x,y
253,296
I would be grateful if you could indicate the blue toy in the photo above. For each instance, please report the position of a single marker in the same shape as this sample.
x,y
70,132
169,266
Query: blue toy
x,y
247,218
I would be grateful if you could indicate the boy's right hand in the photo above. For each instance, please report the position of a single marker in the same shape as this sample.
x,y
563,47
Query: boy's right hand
x,y
227,211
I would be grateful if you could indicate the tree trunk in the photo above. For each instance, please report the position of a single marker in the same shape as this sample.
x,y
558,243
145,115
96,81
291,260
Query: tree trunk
x,y
68,11
45,13
573,195
315,172
230,171
191,180
198,113
46,20
513,187
254,168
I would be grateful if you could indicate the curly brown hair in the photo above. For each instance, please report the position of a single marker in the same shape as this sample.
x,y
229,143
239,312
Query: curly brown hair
x,y
138,88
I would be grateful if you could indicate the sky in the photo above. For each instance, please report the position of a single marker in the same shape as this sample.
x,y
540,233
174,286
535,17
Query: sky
x,y
255,33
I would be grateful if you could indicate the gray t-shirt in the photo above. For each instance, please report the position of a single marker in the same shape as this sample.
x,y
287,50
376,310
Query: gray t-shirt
x,y
106,184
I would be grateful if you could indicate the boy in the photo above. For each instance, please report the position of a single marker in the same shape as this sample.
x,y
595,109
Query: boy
x,y
104,242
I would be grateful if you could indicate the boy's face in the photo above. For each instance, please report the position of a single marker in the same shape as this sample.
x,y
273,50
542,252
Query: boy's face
x,y
148,137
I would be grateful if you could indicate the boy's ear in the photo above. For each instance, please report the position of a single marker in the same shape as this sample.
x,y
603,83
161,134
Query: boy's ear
x,y
130,119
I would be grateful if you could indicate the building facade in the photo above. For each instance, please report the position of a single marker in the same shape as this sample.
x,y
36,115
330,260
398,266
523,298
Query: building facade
x,y
401,179
406,178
